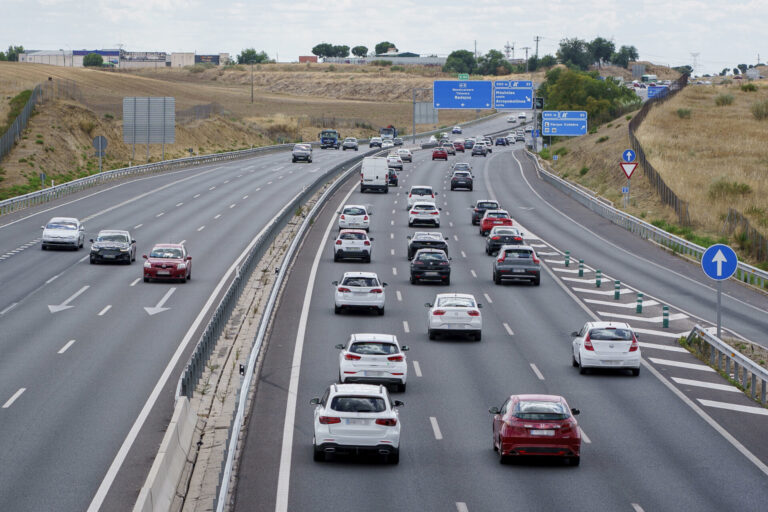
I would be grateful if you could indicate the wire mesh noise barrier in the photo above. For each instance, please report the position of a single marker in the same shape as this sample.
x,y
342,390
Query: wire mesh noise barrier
x,y
15,130
197,112
752,240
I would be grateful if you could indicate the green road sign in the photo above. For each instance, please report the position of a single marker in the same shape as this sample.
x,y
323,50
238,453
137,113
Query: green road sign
x,y
463,76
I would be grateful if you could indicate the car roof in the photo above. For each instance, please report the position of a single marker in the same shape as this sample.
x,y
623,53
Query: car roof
x,y
175,246
368,336
358,389
427,234
361,274
486,201
457,295
353,231
541,398
64,219
113,231
617,325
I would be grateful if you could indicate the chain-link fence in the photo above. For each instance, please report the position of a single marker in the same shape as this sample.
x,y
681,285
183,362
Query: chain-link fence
x,y
751,240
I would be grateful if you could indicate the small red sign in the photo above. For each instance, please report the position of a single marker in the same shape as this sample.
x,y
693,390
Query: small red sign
x,y
628,168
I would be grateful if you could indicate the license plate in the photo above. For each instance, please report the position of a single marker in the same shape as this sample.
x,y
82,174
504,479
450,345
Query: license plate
x,y
518,270
359,293
497,222
109,256
355,421
163,273
354,249
371,373
431,273
542,432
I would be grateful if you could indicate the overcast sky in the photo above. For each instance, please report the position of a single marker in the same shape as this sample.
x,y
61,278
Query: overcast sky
x,y
723,32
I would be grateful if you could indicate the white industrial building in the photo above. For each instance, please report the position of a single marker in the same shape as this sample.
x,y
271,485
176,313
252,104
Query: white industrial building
x,y
122,59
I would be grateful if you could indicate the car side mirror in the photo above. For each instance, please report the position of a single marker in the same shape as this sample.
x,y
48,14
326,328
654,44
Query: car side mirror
x,y
144,256
637,336
494,410
450,259
575,334
437,193
335,283
42,227
82,228
315,401
91,240
384,284
440,209
575,412
133,241
398,403
479,306
522,234
427,305
405,348
409,237
340,346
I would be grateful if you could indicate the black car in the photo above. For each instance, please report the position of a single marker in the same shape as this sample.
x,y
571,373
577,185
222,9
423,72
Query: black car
x,y
461,166
426,240
502,235
469,144
431,265
392,176
478,209
501,141
113,246
479,150
461,179
517,262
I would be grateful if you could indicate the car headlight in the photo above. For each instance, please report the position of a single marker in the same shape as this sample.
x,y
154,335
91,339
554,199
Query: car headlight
x,y
181,266
94,249
147,264
124,249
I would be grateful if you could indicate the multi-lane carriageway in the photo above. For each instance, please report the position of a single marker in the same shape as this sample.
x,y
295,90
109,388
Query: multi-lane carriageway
x,y
677,437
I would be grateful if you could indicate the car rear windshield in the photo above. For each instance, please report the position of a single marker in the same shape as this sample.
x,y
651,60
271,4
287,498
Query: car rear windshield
x,y
487,205
455,302
352,236
461,174
112,238
506,231
61,225
540,411
353,211
361,281
524,254
374,348
421,191
358,404
165,252
432,256
424,207
610,334
499,215
461,166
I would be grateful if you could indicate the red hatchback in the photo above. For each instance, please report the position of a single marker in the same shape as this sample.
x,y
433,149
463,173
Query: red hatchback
x,y
539,425
493,218
439,153
459,146
168,261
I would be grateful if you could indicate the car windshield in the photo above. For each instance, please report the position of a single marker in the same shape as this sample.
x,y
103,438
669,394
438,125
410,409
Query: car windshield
x,y
610,334
116,237
518,253
374,348
455,302
361,281
61,225
358,404
431,256
350,140
352,236
427,206
461,166
421,191
353,210
300,147
540,411
487,205
165,252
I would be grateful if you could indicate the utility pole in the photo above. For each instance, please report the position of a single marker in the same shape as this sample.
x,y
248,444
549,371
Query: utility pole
x,y
526,48
507,49
695,56
537,39
475,48
251,80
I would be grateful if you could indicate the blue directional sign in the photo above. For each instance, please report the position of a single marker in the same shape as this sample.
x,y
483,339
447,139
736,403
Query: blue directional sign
x,y
462,94
513,95
535,134
719,262
554,157
657,91
625,190
628,156
566,123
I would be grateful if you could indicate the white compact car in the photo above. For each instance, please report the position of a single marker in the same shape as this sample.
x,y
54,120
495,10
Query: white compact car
x,y
387,143
420,193
454,313
354,216
606,345
424,212
373,359
405,155
355,418
359,290
352,243
395,162
65,232
522,115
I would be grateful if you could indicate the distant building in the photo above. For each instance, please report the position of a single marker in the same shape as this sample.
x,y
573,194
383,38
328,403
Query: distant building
x,y
121,58
307,58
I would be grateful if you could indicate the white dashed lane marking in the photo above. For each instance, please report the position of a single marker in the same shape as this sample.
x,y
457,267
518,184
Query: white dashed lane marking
x,y
405,326
8,308
137,226
15,396
160,214
474,274
201,228
394,271
584,436
216,216
104,311
508,329
399,296
435,428
463,254
135,281
66,346
195,196
537,372
417,368
461,507
488,298
179,204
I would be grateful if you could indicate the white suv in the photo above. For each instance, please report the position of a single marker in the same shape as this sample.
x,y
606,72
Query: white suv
x,y
354,418
424,212
359,290
454,313
354,216
606,345
420,193
373,359
352,243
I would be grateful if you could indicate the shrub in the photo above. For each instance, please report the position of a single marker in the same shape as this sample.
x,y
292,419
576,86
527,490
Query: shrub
x,y
108,116
87,126
397,68
584,170
749,88
601,139
760,110
562,151
684,113
39,141
593,130
382,63
544,153
723,188
722,100
332,68
627,117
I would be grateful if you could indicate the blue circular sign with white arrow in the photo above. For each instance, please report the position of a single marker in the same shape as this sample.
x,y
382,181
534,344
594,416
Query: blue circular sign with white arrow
x,y
719,262
628,156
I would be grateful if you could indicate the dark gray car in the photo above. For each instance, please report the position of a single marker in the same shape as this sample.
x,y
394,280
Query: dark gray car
x,y
517,262
302,152
113,246
431,265
426,240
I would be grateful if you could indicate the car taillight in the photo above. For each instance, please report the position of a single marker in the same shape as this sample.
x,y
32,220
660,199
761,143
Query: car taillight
x,y
501,257
410,195
342,216
344,290
438,312
495,238
352,357
395,358
435,213
517,239
338,242
367,242
444,263
433,195
365,218
376,290
473,312
634,345
588,344
535,259
387,422
329,420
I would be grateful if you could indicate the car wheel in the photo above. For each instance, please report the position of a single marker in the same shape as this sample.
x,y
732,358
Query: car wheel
x,y
189,276
146,279
537,281
635,372
317,454
410,224
413,280
502,458
309,161
574,363
380,311
488,252
574,461
470,189
448,282
337,309
496,278
355,149
367,259
294,160
431,334
582,370
401,387
478,336
335,258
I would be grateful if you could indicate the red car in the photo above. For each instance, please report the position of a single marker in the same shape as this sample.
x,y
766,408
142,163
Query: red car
x,y
541,425
168,261
493,218
459,146
439,153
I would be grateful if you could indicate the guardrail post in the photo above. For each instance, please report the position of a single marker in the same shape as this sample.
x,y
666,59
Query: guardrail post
x,y
567,258
581,268
598,278
639,306
665,316
616,290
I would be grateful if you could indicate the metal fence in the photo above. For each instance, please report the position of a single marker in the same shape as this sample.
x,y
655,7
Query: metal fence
x,y
198,112
736,366
13,135
752,241
744,272
667,195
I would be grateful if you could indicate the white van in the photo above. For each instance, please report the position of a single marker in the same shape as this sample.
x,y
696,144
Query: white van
x,y
373,174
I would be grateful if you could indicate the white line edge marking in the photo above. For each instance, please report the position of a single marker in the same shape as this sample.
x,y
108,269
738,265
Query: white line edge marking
x,y
435,428
7,309
13,398
584,436
284,473
461,507
104,311
66,346
637,508
417,368
537,372
406,328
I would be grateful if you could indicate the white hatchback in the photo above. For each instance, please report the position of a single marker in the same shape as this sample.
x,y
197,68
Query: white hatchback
x,y
424,213
353,243
373,359
606,345
63,232
420,193
405,154
454,313
354,216
359,290
356,418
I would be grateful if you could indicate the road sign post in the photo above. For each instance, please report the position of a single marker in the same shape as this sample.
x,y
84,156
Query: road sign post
x,y
719,262
628,167
100,144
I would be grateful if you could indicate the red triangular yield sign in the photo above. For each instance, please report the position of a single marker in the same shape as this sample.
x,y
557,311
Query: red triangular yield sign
x,y
628,168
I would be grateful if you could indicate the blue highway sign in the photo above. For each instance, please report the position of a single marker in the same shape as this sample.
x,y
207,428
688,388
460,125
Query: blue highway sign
x,y
719,262
462,94
625,190
513,95
628,155
657,91
566,123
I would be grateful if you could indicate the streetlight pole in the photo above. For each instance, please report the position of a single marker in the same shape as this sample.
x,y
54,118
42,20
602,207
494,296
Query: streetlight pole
x,y
251,80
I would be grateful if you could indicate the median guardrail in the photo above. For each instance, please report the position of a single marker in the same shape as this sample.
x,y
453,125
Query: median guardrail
x,y
744,272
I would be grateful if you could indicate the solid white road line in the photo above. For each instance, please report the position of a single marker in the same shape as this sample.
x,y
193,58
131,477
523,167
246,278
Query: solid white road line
x,y
656,346
637,508
627,305
488,298
399,296
537,372
405,326
435,428
137,226
13,398
708,385
461,507
135,281
417,368
463,254
201,228
66,346
104,311
734,407
7,309
680,364
508,329
584,436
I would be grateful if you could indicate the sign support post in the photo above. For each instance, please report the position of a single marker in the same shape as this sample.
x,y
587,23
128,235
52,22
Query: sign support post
x,y
719,262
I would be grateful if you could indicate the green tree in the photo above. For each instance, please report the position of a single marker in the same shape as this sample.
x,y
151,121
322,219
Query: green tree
x,y
624,56
251,56
13,53
383,46
574,53
743,68
340,50
460,61
323,50
360,51
601,50
547,61
494,63
724,72
2,56
736,71
93,60
684,70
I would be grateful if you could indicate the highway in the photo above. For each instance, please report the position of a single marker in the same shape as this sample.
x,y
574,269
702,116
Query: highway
x,y
674,438
75,379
